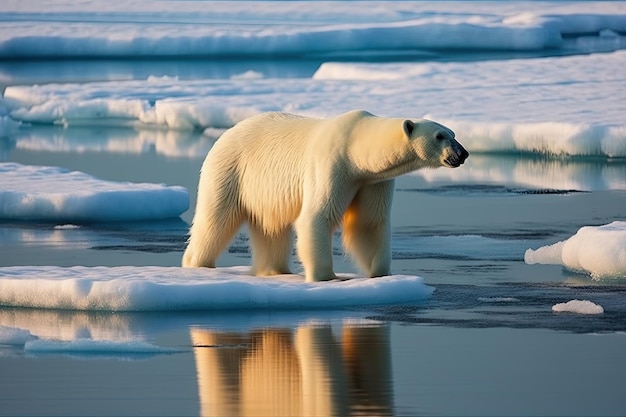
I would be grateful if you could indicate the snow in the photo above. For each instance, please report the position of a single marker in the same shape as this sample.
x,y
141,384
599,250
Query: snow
x,y
578,307
128,288
599,251
170,28
55,194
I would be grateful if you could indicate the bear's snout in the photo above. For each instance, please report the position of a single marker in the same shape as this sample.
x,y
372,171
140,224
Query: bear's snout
x,y
458,155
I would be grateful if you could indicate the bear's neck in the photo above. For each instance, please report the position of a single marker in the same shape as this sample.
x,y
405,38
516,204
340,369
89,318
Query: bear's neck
x,y
396,168
380,150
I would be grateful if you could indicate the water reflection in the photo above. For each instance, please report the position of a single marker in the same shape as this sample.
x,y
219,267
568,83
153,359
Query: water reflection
x,y
68,326
24,72
113,140
538,172
309,371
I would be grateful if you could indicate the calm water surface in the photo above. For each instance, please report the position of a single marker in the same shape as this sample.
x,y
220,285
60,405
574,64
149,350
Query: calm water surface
x,y
486,343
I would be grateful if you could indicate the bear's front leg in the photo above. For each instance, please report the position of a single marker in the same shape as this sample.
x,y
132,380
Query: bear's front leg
x,y
314,244
367,228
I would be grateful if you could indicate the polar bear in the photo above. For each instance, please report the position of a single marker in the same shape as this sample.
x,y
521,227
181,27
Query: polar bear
x,y
279,171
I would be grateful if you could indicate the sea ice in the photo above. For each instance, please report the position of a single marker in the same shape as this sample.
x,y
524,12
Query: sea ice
x,y
55,194
129,288
597,250
296,29
579,307
556,113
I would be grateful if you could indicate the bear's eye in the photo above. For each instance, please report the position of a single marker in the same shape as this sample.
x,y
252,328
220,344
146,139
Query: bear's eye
x,y
440,136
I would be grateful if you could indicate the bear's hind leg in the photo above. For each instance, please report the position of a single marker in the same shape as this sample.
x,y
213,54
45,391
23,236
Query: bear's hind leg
x,y
207,241
214,224
270,252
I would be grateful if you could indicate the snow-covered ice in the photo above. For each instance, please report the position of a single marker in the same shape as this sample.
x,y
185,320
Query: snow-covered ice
x,y
174,288
30,192
264,28
526,105
578,307
561,105
596,250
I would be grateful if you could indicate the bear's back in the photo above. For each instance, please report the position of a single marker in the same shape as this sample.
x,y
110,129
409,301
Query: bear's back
x,y
270,160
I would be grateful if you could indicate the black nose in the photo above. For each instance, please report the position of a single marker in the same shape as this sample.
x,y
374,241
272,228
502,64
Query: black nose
x,y
463,155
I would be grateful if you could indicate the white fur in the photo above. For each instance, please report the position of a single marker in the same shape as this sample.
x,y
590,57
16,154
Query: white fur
x,y
277,171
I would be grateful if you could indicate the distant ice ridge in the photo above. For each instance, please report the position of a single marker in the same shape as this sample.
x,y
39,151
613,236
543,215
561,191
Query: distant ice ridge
x,y
557,106
56,194
169,28
172,288
599,251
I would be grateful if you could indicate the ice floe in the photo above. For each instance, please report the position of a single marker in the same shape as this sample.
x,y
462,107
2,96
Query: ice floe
x,y
599,251
264,28
172,288
528,106
578,307
43,193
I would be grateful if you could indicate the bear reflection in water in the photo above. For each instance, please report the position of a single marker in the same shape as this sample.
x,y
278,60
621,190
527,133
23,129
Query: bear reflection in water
x,y
306,372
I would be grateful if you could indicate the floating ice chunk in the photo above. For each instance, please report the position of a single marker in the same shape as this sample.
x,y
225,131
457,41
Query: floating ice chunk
x,y
597,250
248,75
66,227
551,254
56,194
14,336
173,288
579,307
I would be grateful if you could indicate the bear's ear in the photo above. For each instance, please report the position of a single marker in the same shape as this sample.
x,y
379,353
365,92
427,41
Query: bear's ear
x,y
408,126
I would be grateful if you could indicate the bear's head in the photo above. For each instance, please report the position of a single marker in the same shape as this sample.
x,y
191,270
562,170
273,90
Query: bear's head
x,y
434,143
